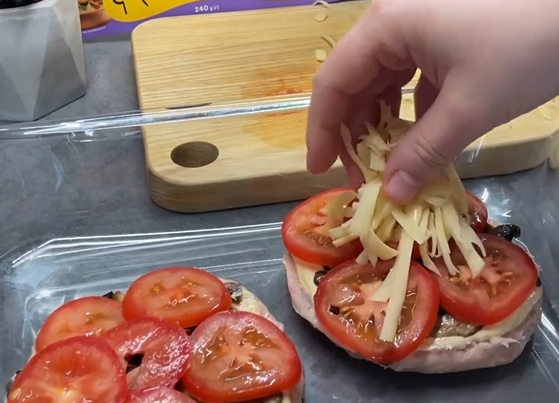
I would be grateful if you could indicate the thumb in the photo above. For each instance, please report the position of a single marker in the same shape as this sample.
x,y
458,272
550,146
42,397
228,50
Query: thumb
x,y
439,135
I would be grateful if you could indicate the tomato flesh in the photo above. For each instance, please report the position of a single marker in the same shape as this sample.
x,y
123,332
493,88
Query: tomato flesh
x,y
508,279
76,369
183,295
348,316
305,233
88,316
477,212
163,346
239,356
159,395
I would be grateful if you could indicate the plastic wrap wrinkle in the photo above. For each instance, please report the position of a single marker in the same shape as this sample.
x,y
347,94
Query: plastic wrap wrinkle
x,y
61,199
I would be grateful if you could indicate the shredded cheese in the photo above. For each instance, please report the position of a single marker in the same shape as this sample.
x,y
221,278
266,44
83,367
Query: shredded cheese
x,y
321,17
329,41
437,218
320,55
399,288
321,3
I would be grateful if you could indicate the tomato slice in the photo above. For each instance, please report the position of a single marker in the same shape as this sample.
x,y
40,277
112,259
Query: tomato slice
x,y
88,316
477,212
162,346
184,295
348,316
508,279
239,356
305,233
159,395
76,369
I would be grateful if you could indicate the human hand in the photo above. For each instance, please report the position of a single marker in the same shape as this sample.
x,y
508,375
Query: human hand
x,y
483,63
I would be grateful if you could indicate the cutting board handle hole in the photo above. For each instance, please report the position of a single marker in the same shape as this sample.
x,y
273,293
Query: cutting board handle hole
x,y
194,154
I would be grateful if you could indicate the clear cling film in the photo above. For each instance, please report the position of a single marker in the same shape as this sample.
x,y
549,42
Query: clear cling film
x,y
77,220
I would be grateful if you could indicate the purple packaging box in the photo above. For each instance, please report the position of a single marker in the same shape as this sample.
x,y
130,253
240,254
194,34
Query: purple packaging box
x,y
103,18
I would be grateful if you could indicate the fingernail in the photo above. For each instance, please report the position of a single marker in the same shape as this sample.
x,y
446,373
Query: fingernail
x,y
402,187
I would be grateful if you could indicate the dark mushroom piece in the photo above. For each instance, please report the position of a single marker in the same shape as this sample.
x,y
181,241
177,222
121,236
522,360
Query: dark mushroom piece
x,y
235,290
318,276
11,381
505,231
117,296
448,326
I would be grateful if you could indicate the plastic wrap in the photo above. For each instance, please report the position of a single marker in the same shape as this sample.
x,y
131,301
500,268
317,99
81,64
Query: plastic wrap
x,y
76,220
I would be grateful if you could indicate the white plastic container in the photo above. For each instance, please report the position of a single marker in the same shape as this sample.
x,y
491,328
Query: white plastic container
x,y
41,59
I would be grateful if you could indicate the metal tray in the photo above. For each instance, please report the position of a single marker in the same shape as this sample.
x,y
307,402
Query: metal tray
x,y
36,279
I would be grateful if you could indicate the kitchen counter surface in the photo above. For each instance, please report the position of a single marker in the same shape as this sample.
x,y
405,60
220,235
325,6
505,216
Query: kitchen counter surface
x,y
59,187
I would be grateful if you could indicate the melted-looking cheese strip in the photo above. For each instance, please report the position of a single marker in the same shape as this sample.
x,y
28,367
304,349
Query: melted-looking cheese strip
x,y
437,215
306,273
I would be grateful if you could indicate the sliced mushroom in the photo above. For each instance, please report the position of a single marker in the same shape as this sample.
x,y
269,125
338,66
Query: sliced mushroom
x,y
235,290
11,381
318,276
117,296
449,326
505,231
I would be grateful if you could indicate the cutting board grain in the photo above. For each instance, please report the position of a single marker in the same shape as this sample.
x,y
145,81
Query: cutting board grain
x,y
216,164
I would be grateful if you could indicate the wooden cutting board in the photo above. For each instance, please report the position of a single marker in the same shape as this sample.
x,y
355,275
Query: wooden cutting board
x,y
215,164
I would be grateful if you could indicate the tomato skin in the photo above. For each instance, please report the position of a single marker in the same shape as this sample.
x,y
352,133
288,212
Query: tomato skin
x,y
215,381
477,211
89,316
183,295
346,334
159,395
74,369
471,303
164,346
307,249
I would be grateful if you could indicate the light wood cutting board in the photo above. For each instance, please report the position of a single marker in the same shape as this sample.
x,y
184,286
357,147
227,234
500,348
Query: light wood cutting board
x,y
260,158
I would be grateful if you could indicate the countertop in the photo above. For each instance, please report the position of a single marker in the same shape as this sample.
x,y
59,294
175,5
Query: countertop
x,y
58,187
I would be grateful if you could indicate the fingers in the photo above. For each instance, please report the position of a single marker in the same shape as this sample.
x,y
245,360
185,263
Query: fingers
x,y
443,131
350,69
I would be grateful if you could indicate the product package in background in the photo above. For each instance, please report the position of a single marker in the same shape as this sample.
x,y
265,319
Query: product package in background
x,y
101,18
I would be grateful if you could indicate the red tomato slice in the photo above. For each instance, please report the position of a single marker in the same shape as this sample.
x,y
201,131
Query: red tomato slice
x,y
183,295
76,369
505,283
239,356
351,320
163,346
305,233
477,212
89,316
159,395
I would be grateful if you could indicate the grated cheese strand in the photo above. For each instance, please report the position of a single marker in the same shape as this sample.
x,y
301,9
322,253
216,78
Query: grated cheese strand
x,y
399,289
436,217
321,3
346,138
363,217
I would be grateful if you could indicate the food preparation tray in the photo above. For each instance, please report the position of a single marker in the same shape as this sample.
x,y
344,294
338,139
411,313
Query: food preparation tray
x,y
38,277
252,159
